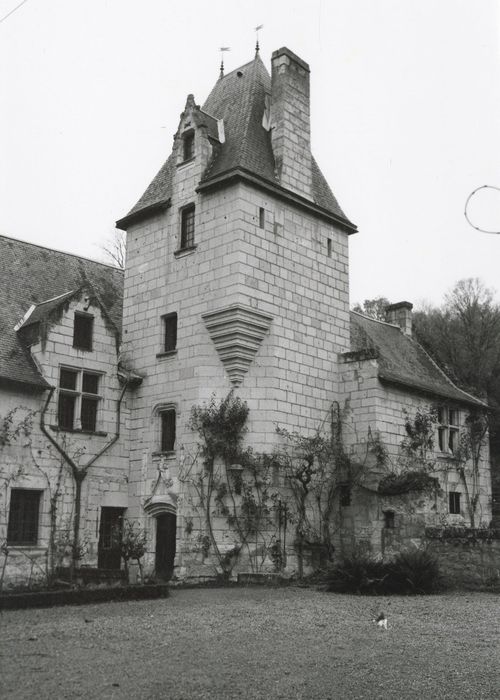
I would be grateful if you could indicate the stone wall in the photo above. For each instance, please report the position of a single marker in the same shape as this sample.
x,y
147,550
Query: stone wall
x,y
469,558
32,462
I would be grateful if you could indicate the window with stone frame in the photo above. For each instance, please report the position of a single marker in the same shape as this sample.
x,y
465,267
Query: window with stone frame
x,y
83,329
24,512
454,502
167,429
448,429
187,227
78,400
169,332
188,145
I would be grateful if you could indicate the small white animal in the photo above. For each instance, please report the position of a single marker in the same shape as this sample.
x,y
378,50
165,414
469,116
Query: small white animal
x,y
381,621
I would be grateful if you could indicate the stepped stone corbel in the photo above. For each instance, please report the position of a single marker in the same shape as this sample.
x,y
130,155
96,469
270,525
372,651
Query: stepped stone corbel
x,y
237,332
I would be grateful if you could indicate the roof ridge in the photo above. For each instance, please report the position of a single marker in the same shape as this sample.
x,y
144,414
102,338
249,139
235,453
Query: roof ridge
x,y
376,320
62,252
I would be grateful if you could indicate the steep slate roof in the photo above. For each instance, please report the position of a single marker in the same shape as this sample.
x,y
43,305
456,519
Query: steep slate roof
x,y
239,99
31,274
401,360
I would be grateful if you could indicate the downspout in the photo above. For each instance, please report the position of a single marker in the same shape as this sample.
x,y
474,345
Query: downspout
x,y
79,473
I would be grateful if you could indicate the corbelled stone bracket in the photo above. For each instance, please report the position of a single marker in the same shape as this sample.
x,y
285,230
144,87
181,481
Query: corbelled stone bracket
x,y
237,332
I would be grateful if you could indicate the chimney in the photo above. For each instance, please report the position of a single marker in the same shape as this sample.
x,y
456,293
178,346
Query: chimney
x,y
290,121
400,315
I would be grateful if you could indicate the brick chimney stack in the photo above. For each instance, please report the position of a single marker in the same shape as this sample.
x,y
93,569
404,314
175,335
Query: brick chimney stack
x,y
400,315
290,121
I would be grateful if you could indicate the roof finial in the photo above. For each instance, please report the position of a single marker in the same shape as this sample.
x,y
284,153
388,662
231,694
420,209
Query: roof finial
x,y
257,47
222,49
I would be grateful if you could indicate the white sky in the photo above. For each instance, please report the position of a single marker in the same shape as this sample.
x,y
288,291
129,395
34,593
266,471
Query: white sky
x,y
405,119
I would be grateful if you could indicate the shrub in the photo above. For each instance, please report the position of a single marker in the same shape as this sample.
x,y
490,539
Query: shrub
x,y
415,571
412,572
357,573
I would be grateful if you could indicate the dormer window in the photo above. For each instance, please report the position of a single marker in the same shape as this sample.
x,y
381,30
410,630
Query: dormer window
x,y
188,145
82,331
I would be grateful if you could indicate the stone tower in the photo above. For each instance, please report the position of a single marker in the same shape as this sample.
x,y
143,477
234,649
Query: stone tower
x,y
237,278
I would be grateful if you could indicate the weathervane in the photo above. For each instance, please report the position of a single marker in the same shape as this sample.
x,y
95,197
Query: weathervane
x,y
222,49
257,42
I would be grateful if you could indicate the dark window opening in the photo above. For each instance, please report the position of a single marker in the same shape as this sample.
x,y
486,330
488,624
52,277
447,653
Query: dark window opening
x,y
448,429
82,331
188,146
329,247
345,495
67,379
262,217
66,411
170,329
88,415
454,498
168,430
23,517
78,399
389,519
187,228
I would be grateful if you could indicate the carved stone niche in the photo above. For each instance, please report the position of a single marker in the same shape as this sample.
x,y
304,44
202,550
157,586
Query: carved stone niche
x,y
237,332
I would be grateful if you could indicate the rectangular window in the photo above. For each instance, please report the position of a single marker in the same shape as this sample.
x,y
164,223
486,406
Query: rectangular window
x,y
329,247
454,498
170,332
448,429
78,400
168,430
187,227
389,519
345,495
262,217
188,145
82,331
23,517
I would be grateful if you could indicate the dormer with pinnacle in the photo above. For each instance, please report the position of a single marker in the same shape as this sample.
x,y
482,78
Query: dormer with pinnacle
x,y
197,140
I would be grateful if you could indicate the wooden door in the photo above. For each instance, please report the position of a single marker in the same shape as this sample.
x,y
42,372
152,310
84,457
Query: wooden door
x,y
165,545
110,533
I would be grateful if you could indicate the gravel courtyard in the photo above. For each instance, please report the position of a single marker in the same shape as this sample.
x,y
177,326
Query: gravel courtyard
x,y
255,643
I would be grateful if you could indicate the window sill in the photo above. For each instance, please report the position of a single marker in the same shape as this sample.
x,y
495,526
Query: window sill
x,y
36,547
181,252
99,433
167,455
448,456
166,353
186,162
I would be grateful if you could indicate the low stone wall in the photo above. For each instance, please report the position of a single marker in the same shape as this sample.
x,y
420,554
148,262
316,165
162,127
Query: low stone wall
x,y
467,557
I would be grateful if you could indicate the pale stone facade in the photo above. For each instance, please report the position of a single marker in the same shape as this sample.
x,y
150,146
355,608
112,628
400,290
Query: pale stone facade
x,y
236,281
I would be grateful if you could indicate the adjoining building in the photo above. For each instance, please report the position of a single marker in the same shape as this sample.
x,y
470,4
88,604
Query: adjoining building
x,y
236,281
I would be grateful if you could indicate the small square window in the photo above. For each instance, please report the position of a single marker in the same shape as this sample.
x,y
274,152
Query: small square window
x,y
90,383
187,227
82,331
168,430
188,145
23,517
454,502
170,332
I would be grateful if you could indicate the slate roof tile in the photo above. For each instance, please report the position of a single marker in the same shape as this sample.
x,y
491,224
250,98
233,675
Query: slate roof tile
x,y
31,274
239,99
402,360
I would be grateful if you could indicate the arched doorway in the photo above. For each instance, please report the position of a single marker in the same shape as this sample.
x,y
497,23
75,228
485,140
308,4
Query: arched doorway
x,y
166,530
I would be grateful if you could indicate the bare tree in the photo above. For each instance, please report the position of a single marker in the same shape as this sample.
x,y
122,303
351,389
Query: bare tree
x,y
114,248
